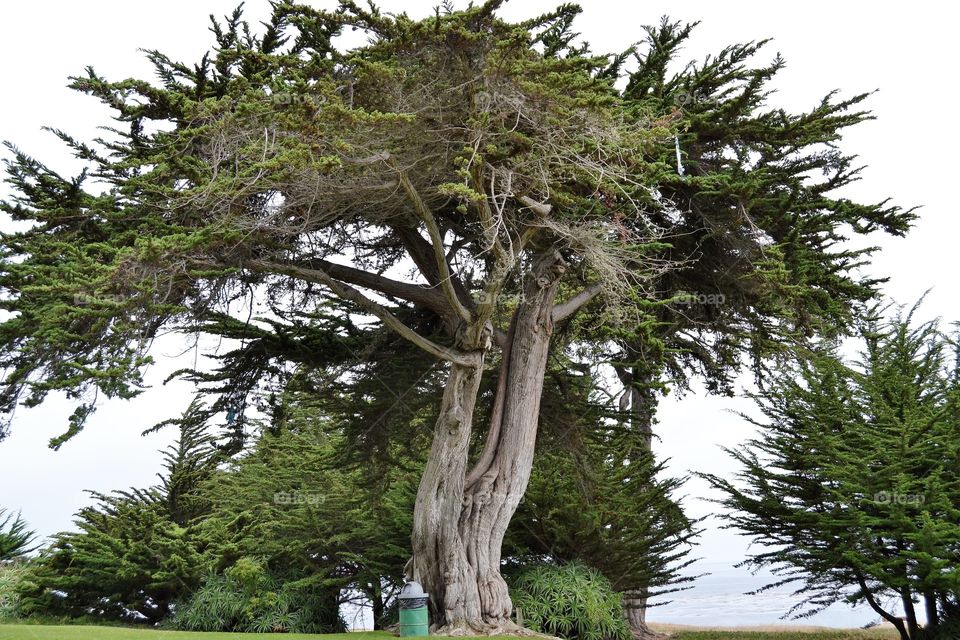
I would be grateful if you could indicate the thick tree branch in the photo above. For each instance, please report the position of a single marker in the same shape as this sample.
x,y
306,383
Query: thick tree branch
x,y
496,414
503,260
540,208
487,219
436,239
347,292
421,253
566,309
422,295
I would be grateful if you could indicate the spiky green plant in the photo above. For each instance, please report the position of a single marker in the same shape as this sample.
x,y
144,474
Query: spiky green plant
x,y
570,601
247,598
11,576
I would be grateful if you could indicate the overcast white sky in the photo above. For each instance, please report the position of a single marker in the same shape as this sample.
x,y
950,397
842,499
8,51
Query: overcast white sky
x,y
906,50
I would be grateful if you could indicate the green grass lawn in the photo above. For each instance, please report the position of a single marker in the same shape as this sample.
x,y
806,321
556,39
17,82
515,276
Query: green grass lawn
x,y
83,632
779,635
78,632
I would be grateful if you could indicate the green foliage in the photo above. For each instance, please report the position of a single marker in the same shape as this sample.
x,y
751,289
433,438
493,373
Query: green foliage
x,y
853,488
246,598
200,211
128,560
11,577
276,533
15,536
289,502
756,213
187,463
254,174
570,601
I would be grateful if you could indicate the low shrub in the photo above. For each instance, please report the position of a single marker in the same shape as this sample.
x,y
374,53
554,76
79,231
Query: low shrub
x,y
11,575
571,601
247,598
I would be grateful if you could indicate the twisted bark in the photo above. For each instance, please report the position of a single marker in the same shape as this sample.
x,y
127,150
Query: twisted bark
x,y
439,560
459,529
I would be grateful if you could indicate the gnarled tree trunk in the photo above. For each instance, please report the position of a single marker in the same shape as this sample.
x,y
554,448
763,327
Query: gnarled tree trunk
x,y
459,524
439,557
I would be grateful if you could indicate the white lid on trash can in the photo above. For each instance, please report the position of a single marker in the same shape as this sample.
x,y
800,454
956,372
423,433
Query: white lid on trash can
x,y
412,590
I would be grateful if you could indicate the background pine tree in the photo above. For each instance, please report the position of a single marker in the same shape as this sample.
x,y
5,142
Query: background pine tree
x,y
852,488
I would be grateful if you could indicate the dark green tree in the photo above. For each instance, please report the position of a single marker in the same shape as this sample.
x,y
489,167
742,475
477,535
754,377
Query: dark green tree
x,y
852,488
511,162
128,561
331,529
187,463
753,198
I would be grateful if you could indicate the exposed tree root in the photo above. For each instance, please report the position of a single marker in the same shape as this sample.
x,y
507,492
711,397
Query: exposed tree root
x,y
500,628
649,634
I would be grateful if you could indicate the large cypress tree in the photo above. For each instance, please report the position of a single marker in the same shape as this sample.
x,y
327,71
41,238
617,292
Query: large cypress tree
x,y
496,161
753,197
279,155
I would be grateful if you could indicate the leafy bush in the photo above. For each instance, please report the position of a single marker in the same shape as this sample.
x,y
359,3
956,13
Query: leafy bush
x,y
11,575
247,598
571,601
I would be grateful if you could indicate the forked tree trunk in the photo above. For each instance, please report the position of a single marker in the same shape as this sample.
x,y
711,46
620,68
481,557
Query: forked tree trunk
x,y
459,529
376,602
913,627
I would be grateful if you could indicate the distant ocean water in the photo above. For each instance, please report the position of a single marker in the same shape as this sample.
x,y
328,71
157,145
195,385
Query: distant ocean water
x,y
719,599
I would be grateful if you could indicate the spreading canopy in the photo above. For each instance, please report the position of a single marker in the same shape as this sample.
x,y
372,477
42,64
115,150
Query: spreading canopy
x,y
450,152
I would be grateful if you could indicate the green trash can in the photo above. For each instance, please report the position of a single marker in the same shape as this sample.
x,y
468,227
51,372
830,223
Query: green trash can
x,y
414,619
